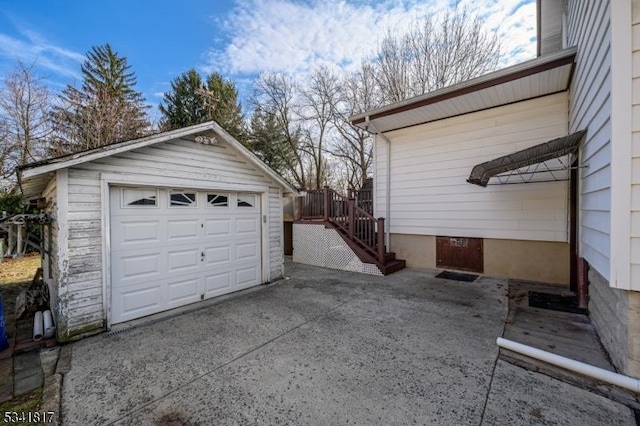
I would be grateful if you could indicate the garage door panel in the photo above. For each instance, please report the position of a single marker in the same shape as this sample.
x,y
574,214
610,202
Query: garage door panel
x,y
247,251
217,256
247,276
163,257
182,229
218,228
218,283
183,260
183,292
138,302
140,266
247,226
135,231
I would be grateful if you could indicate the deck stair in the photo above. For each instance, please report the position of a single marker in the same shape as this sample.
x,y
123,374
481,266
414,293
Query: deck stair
x,y
352,219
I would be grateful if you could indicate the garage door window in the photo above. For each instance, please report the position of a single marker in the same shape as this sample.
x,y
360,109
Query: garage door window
x,y
139,197
182,199
246,200
218,200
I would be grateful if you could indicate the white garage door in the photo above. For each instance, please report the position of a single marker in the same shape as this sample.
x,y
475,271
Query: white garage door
x,y
170,248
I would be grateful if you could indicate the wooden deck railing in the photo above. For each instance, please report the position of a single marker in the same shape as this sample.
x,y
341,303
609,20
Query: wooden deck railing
x,y
363,197
345,213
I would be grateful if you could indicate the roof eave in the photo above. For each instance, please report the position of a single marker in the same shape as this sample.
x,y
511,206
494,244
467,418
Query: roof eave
x,y
534,66
34,170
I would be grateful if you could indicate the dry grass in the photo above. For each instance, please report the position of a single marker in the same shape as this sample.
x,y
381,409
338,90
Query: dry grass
x,y
30,402
18,271
16,274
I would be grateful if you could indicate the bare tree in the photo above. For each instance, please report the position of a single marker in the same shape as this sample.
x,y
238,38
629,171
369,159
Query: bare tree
x,y
323,147
317,110
436,52
25,104
353,147
274,99
89,122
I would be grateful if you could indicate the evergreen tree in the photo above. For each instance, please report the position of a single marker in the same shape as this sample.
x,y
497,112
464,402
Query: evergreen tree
x,y
192,101
270,142
105,109
184,105
221,99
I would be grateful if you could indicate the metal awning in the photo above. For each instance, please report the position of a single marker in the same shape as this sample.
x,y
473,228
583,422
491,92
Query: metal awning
x,y
556,148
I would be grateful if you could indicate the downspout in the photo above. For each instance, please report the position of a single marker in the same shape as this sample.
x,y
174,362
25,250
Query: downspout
x,y
387,213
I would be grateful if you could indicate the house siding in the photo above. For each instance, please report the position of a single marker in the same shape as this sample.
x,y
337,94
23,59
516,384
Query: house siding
x,y
588,28
50,272
431,163
635,178
276,233
83,303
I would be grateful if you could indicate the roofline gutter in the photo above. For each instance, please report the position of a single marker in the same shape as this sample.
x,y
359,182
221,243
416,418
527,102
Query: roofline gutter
x,y
505,75
387,191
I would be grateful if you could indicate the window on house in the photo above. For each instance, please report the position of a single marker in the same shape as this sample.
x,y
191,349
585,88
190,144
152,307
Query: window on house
x,y
139,197
246,200
218,200
182,199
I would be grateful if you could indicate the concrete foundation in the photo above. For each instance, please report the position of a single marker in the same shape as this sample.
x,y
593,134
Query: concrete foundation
x,y
615,314
542,261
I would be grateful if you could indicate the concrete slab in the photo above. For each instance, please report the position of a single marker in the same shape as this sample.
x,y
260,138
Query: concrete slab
x,y
324,347
49,360
26,384
27,372
522,397
26,364
51,398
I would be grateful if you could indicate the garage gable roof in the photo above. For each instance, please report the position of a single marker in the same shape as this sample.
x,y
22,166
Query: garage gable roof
x,y
35,171
541,76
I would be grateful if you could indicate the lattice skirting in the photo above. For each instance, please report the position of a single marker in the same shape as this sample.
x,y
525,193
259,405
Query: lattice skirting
x,y
319,246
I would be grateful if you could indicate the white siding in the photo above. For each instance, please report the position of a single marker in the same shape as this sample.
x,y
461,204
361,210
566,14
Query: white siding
x,y
635,179
551,23
184,161
276,233
50,271
431,163
590,108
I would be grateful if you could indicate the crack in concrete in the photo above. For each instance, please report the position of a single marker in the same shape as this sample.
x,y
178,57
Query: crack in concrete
x,y
239,357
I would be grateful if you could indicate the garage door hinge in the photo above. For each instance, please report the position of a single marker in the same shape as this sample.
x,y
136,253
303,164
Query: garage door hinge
x,y
264,218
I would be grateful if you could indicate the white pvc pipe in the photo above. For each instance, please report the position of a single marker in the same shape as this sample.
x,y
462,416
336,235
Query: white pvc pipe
x,y
49,328
579,367
37,327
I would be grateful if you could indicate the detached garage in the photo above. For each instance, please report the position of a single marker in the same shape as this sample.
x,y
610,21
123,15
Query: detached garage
x,y
152,224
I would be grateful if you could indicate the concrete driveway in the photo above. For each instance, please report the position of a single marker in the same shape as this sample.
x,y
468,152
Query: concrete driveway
x,y
325,347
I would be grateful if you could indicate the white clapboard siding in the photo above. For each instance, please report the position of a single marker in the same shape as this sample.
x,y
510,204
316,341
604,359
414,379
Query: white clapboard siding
x,y
276,249
589,108
635,188
50,272
197,163
430,165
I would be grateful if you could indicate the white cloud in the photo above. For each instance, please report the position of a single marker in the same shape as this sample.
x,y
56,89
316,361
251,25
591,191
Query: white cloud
x,y
31,47
293,36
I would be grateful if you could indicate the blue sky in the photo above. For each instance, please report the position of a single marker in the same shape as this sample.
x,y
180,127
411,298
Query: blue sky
x,y
240,38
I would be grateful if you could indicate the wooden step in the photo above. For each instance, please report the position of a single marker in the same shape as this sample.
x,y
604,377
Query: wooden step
x,y
366,255
393,266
